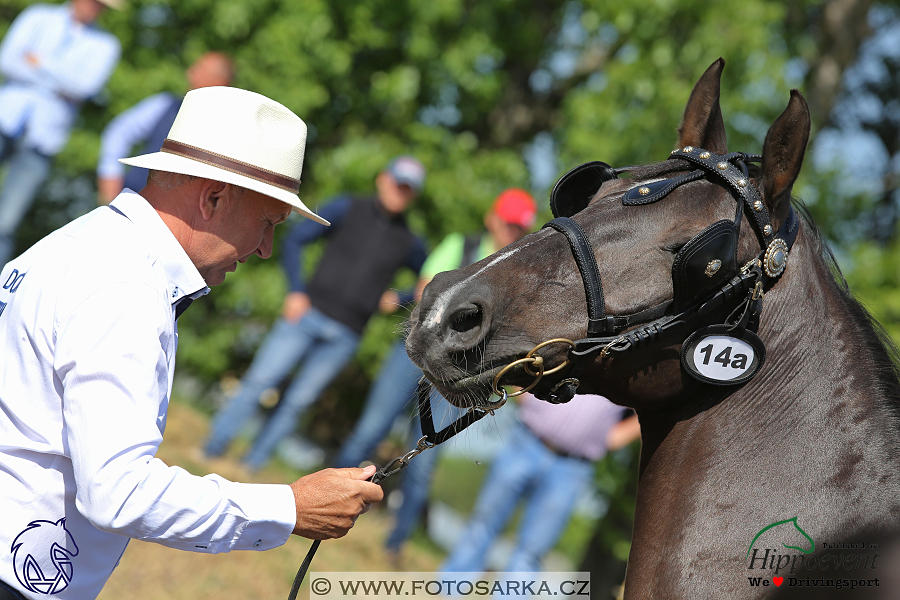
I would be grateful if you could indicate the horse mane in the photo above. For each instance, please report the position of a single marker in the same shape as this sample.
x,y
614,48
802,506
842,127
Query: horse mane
x,y
876,341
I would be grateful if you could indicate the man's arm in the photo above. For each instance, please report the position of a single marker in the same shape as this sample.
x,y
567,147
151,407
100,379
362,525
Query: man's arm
x,y
120,136
14,49
83,71
623,433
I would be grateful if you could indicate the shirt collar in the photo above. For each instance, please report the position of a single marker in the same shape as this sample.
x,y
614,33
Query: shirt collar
x,y
182,276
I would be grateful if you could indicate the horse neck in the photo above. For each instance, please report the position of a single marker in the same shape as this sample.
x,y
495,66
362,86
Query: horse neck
x,y
823,363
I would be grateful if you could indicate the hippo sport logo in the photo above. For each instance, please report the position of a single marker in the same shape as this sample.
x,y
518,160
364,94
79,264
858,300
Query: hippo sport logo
x,y
42,557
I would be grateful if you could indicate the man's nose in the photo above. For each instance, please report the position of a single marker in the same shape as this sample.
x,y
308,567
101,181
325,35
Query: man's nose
x,y
265,248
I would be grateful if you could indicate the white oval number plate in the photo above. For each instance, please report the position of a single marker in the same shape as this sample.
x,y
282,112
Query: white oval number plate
x,y
722,357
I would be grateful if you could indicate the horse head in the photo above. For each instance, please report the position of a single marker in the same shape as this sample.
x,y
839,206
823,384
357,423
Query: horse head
x,y
666,237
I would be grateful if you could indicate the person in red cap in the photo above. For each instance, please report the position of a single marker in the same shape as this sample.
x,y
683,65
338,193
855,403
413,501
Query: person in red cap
x,y
512,215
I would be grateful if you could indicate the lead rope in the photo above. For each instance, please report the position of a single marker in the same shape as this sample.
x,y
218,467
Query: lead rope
x,y
430,439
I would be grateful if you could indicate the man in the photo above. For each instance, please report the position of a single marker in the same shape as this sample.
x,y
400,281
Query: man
x,y
548,463
88,333
149,121
322,321
510,218
53,58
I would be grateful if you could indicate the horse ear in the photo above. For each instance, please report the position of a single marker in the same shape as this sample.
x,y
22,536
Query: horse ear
x,y
702,125
783,153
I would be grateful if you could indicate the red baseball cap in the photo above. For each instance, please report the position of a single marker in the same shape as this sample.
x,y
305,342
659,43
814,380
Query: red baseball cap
x,y
516,206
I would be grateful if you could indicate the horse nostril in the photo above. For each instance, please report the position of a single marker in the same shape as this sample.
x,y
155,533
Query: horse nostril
x,y
467,319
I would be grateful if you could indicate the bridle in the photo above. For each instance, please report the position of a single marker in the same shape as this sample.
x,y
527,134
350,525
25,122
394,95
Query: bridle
x,y
707,263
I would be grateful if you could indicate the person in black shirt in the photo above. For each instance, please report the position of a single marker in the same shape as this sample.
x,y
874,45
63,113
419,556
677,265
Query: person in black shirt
x,y
322,321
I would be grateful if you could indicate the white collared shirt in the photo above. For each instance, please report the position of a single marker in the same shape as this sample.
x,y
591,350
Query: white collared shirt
x,y
87,353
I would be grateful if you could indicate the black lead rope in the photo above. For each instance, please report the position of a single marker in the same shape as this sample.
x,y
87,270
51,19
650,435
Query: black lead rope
x,y
430,438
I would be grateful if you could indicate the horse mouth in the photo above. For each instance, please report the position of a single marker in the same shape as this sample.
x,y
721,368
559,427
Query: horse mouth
x,y
469,391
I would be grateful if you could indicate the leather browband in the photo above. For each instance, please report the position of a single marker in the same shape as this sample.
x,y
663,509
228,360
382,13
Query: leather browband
x,y
229,164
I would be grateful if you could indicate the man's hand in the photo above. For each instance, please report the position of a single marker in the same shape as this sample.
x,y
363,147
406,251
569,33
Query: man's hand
x,y
108,188
295,306
33,59
389,303
329,501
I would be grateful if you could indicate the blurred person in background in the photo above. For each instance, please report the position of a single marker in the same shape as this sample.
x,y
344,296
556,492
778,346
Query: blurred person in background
x,y
88,336
322,320
548,463
147,123
511,216
53,58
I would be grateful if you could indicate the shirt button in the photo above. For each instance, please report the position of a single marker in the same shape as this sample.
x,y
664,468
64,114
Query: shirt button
x,y
257,543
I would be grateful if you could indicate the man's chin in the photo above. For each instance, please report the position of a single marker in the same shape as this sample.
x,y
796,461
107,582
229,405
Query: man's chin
x,y
214,279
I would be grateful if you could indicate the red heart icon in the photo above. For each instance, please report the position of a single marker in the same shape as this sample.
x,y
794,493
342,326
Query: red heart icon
x,y
777,581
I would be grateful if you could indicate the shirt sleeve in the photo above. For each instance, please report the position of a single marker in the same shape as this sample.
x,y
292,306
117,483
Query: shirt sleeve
x,y
304,233
15,45
127,129
417,256
113,371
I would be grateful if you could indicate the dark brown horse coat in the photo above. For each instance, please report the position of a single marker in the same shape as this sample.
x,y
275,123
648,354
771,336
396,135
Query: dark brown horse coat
x,y
813,437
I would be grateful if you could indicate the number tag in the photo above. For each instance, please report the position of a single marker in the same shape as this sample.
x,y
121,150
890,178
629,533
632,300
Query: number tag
x,y
721,356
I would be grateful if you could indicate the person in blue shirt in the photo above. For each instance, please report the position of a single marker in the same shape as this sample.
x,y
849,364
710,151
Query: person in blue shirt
x,y
148,122
322,319
52,59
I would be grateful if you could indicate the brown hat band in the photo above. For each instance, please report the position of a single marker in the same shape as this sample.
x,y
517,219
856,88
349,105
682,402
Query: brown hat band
x,y
229,164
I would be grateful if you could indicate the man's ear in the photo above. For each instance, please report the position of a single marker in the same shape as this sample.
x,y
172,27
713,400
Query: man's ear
x,y
212,196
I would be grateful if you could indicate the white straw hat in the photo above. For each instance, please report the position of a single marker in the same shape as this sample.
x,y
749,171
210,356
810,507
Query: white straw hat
x,y
235,136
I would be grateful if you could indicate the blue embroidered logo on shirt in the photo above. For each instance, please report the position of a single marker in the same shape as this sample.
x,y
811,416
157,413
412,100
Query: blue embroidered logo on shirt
x,y
2,308
14,281
42,557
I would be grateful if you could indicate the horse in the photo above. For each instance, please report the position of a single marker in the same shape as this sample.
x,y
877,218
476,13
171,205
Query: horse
x,y
765,392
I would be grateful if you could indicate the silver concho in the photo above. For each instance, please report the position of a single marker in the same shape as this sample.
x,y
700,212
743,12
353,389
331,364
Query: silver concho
x,y
643,191
713,267
776,258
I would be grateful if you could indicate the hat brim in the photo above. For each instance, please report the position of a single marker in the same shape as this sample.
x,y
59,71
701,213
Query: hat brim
x,y
172,163
114,4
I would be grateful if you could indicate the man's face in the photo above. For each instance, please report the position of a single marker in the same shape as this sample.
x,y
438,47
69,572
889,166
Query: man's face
x,y
209,70
394,197
245,227
87,11
504,233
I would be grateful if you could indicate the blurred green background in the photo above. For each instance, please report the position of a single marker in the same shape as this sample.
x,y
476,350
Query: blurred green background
x,y
507,93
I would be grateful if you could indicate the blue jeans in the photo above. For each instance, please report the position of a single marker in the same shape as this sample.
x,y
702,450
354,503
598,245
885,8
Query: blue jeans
x,y
524,468
28,169
392,393
322,344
